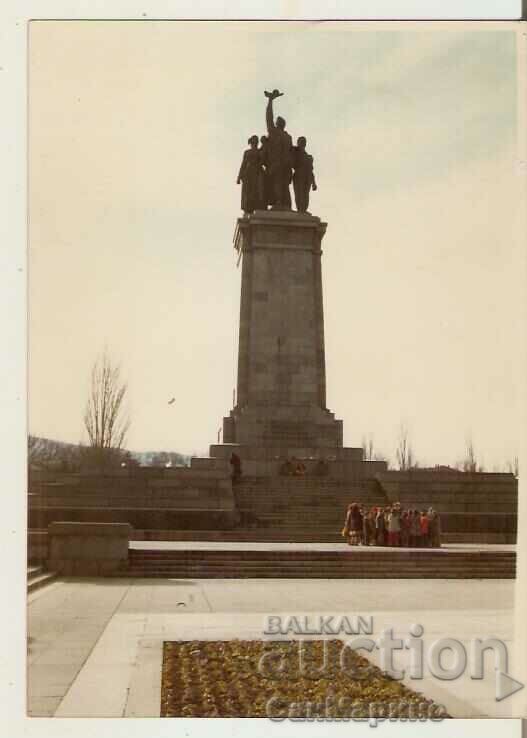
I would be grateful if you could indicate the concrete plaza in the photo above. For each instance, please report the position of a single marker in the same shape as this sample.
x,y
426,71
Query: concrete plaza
x,y
95,647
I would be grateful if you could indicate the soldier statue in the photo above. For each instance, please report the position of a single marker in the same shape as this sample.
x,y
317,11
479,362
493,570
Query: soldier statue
x,y
304,176
266,173
279,153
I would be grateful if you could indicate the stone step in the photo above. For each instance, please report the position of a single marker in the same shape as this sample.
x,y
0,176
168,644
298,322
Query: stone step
x,y
304,534
38,578
362,553
329,572
310,499
270,575
284,564
355,552
478,537
350,563
257,535
208,572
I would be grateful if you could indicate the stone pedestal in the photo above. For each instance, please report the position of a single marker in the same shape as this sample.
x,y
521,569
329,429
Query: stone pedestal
x,y
281,397
88,549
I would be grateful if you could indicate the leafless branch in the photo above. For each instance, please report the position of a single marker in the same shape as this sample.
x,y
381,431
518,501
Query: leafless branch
x,y
105,417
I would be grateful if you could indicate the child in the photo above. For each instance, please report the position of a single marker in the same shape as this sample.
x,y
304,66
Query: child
x,y
405,528
346,529
372,514
353,526
424,524
412,528
416,528
394,526
380,526
434,528
356,525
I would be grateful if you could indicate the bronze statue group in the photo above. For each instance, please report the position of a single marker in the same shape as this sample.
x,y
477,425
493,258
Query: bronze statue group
x,y
392,526
271,164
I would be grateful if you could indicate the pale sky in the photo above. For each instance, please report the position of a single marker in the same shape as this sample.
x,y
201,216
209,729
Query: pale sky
x,y
136,135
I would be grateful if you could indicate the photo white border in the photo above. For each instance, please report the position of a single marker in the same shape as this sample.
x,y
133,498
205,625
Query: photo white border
x,y
14,17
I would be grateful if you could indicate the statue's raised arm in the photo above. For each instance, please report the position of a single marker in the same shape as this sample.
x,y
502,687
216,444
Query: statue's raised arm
x,y
269,117
278,157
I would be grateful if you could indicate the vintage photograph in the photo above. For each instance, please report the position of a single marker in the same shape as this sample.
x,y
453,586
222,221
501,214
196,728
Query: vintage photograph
x,y
276,279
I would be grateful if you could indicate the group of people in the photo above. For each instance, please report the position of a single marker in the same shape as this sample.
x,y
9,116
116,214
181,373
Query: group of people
x,y
392,526
268,169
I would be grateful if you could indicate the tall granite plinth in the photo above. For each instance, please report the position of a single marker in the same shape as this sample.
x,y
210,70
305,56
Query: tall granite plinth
x,y
281,393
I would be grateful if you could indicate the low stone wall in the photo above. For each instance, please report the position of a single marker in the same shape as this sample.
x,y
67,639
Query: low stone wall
x,y
473,507
272,453
37,546
452,491
346,469
137,517
88,549
149,497
479,522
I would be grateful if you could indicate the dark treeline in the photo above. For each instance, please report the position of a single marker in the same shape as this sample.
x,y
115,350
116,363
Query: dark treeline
x,y
48,454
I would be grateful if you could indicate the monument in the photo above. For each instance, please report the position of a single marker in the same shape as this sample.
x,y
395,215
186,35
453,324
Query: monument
x,y
280,411
281,385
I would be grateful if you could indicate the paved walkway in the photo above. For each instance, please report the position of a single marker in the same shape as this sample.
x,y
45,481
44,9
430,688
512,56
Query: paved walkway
x,y
96,644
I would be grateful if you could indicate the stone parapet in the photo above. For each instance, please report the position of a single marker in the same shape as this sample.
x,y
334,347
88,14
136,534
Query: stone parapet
x,y
287,426
159,498
88,549
272,453
452,491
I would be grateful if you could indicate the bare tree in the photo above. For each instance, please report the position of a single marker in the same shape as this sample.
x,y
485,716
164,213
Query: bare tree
x,y
513,466
368,448
470,461
45,453
105,417
369,452
404,453
36,450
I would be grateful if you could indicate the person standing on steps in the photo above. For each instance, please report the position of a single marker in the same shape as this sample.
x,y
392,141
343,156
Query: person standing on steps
x,y
365,526
394,526
236,466
380,527
405,527
352,530
424,522
434,528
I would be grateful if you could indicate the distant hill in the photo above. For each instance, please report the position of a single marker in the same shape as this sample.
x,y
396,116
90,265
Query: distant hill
x,y
46,453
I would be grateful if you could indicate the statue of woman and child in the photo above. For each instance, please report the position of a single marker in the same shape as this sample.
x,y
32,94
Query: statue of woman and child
x,y
267,170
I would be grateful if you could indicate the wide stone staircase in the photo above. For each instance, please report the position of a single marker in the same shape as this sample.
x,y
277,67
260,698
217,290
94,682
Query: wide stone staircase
x,y
284,509
266,508
312,509
302,508
356,563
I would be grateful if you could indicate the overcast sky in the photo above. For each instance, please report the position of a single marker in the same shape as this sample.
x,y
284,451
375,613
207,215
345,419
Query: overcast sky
x,y
136,135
